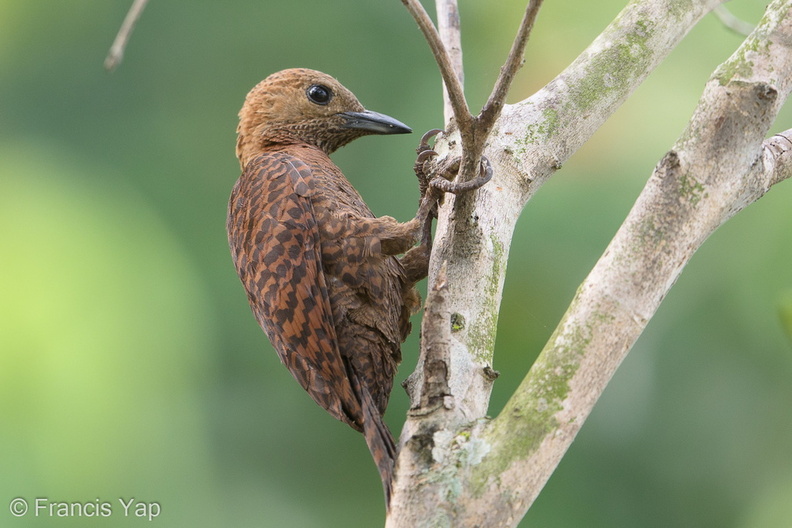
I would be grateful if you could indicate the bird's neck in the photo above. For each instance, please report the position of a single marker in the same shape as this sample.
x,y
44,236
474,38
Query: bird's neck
x,y
248,150
325,136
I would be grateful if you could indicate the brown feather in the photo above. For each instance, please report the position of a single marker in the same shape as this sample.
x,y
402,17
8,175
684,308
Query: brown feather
x,y
318,268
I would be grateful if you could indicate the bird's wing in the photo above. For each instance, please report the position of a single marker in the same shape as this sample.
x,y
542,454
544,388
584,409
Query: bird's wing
x,y
276,247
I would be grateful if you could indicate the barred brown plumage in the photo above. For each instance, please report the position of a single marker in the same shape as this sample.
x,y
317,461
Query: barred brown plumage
x,y
320,270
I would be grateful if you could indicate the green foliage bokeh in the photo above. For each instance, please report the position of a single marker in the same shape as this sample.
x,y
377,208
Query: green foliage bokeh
x,y
130,365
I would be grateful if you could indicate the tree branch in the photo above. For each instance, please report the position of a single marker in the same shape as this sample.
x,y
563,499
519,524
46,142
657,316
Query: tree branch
x,y
718,166
778,156
448,28
534,138
473,131
447,71
464,464
433,393
537,135
116,53
492,108
741,27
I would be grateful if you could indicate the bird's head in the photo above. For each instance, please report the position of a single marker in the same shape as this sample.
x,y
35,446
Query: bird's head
x,y
305,106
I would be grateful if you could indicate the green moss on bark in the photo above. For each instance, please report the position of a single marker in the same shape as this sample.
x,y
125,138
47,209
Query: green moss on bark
x,y
531,414
481,336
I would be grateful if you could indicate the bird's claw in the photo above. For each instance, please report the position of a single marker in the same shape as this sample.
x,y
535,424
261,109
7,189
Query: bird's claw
x,y
444,174
425,155
453,187
435,179
424,144
425,152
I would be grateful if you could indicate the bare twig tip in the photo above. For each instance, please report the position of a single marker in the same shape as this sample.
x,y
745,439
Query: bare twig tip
x,y
741,27
116,53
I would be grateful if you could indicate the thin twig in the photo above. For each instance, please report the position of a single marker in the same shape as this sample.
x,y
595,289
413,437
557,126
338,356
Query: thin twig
x,y
473,131
448,27
453,85
728,19
780,149
116,53
492,108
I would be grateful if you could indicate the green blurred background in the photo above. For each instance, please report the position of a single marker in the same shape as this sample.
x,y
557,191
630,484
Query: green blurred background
x,y
130,365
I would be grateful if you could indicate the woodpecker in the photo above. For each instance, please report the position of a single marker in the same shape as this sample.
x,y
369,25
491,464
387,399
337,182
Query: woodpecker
x,y
321,272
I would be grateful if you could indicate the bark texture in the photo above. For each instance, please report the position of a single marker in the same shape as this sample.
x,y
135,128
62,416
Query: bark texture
x,y
457,467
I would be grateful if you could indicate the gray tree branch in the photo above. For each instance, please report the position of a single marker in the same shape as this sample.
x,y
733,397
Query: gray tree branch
x,y
778,156
450,35
457,468
449,70
720,165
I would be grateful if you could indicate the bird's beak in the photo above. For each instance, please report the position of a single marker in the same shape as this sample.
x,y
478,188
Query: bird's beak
x,y
374,123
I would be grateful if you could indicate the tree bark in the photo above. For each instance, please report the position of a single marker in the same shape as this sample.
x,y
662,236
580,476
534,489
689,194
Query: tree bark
x,y
458,468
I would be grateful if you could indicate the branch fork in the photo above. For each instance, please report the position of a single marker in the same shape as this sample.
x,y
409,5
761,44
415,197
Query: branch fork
x,y
709,175
473,130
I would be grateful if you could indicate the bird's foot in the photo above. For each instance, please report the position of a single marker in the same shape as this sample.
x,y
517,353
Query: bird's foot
x,y
424,144
439,176
425,153
436,178
444,182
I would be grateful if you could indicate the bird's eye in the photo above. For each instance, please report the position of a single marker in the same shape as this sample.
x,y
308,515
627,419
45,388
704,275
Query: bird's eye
x,y
319,94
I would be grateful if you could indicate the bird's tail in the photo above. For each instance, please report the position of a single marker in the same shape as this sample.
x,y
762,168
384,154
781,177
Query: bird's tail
x,y
378,437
